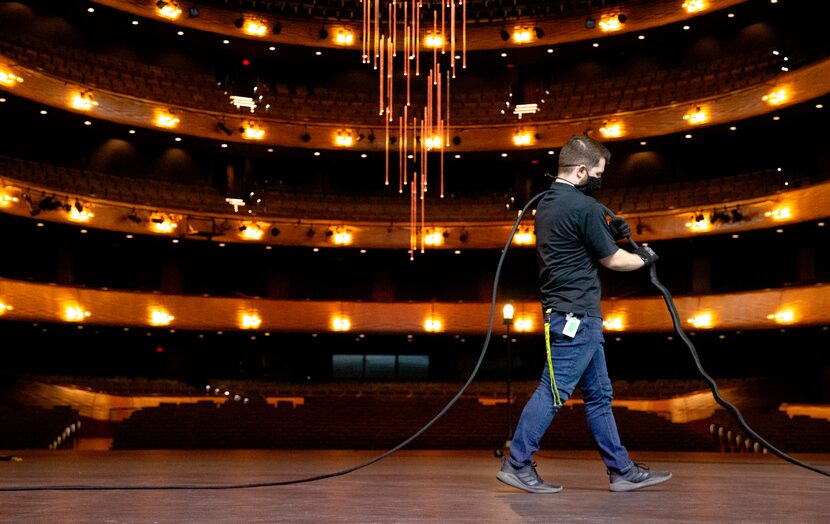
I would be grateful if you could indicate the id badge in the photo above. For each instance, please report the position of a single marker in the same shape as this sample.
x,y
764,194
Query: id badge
x,y
571,325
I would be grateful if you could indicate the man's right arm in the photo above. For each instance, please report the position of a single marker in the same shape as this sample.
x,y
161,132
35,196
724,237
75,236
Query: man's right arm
x,y
622,260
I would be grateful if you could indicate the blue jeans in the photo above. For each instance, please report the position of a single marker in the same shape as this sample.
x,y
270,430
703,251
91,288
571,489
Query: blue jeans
x,y
577,361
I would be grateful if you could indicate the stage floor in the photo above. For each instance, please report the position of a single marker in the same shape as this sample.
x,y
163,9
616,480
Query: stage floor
x,y
411,486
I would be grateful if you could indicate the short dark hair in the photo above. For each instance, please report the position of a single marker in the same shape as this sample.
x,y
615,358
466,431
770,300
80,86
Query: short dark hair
x,y
583,150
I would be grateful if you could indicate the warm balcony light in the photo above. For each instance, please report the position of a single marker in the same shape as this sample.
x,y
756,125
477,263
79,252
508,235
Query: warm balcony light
x,y
434,238
611,22
6,199
344,37
80,215
522,138
523,35
784,316
83,101
160,317
255,27
699,223
613,323
433,40
781,213
434,142
250,321
341,323
75,314
524,237
169,10
523,324
342,237
703,320
697,116
251,232
777,97
253,131
166,119
4,308
163,225
9,79
611,130
344,138
432,325
693,6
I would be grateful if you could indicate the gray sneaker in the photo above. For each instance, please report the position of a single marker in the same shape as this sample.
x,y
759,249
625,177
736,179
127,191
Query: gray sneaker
x,y
639,476
525,478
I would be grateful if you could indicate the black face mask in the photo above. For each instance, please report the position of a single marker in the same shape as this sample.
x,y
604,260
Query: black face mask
x,y
591,186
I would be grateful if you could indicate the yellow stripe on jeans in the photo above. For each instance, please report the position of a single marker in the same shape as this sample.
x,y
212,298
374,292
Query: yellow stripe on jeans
x,y
557,401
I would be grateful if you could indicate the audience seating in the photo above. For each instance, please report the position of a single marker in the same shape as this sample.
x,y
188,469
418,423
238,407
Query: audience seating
x,y
32,427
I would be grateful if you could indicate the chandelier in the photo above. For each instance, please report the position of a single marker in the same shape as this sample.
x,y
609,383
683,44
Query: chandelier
x,y
392,41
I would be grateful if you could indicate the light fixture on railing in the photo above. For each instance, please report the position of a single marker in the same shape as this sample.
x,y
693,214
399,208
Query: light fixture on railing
x,y
342,236
703,320
783,316
169,10
251,232
433,324
6,199
255,27
777,97
433,40
5,307
693,6
611,22
250,320
699,222
75,313
166,119
434,142
523,34
522,138
344,37
9,79
524,236
78,213
614,322
344,138
611,129
253,131
341,323
83,100
160,317
697,116
162,224
434,237
780,213
523,324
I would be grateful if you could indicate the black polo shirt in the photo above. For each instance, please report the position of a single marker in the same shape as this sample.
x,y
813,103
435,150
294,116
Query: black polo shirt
x,y
571,236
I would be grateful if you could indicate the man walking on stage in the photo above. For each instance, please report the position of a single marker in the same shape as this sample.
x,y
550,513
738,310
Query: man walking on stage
x,y
572,237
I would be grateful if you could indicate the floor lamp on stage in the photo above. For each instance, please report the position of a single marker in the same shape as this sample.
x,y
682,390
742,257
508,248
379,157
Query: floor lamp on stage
x,y
507,317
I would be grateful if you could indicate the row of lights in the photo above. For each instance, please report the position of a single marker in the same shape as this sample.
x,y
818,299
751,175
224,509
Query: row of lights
x,y
701,319
159,316
699,222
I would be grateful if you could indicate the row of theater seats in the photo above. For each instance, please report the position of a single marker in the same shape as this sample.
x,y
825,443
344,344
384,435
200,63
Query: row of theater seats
x,y
310,205
33,427
377,423
791,435
652,389
565,99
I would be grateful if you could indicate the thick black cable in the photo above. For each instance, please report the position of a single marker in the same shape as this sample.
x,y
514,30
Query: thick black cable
x,y
736,414
335,473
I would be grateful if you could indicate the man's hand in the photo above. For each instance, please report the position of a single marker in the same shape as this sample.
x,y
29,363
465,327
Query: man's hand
x,y
619,228
647,254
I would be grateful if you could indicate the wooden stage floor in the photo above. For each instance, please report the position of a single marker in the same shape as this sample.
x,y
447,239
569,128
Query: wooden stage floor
x,y
411,486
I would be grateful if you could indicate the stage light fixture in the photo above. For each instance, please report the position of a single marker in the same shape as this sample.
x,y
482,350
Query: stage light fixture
x,y
239,22
590,23
539,32
221,127
193,12
456,140
277,29
306,137
133,217
275,231
323,34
